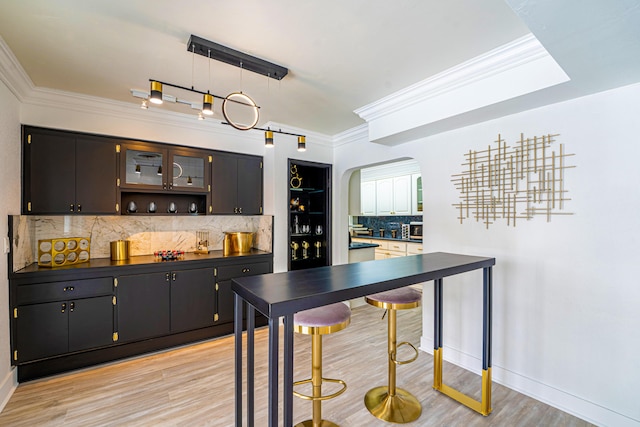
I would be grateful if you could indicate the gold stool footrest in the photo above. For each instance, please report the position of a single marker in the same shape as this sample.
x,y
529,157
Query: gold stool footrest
x,y
404,362
327,397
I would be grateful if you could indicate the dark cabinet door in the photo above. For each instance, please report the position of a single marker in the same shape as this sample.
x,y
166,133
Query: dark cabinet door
x,y
41,331
225,298
250,185
224,184
143,306
49,172
192,299
225,302
96,176
90,323
65,173
236,184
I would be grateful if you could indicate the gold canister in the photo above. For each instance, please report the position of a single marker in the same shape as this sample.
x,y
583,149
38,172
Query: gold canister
x,y
238,242
120,250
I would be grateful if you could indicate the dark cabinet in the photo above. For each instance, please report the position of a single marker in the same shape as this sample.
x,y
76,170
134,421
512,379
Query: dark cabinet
x,y
192,299
143,306
56,318
160,179
151,305
68,173
158,167
236,184
309,214
225,301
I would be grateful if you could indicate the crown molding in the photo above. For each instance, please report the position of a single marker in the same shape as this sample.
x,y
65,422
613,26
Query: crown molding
x,y
356,134
511,55
12,74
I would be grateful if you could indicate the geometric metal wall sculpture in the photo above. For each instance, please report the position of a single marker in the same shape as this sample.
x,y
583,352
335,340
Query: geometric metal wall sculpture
x,y
513,182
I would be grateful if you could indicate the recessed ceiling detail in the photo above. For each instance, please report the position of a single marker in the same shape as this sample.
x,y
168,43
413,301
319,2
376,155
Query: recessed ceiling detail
x,y
515,69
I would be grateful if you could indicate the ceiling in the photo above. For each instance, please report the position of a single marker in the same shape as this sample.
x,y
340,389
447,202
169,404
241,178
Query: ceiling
x,y
341,55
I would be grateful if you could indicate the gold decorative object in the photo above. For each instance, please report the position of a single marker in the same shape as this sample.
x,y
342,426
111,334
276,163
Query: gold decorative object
x,y
318,246
296,180
513,183
294,250
202,242
64,251
305,249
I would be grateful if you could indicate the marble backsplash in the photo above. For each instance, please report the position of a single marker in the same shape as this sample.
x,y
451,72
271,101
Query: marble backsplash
x,y
146,233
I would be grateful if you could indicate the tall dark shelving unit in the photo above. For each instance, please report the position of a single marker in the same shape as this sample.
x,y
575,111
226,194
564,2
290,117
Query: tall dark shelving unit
x,y
309,215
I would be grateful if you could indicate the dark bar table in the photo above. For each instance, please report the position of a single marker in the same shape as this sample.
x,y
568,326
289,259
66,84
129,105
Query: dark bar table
x,y
282,294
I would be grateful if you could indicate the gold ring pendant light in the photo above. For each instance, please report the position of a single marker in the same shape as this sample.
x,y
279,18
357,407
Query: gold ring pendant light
x,y
243,99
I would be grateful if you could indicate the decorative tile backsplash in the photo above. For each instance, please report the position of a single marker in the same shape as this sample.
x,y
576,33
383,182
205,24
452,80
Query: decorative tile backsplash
x,y
146,233
386,223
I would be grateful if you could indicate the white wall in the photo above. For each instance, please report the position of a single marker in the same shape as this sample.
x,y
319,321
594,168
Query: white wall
x,y
566,295
10,196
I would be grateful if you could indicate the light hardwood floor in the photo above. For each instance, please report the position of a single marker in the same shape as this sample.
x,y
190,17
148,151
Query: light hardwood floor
x,y
193,386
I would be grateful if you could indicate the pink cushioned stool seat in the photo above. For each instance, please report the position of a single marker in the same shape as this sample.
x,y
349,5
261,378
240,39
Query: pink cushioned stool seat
x,y
322,320
397,299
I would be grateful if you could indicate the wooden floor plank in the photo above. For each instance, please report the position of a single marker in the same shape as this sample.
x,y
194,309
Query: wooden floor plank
x,y
193,386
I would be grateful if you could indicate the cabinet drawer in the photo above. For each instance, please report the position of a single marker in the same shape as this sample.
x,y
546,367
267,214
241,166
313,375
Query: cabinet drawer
x,y
59,291
414,248
392,245
226,272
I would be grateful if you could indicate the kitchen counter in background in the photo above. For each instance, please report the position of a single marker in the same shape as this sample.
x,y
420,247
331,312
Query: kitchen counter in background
x,y
396,239
391,248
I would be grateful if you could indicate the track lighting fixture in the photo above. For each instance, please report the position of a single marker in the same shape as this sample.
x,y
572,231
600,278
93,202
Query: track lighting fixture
x,y
231,104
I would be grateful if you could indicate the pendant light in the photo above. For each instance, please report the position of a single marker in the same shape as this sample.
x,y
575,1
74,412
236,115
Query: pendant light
x,y
302,144
207,104
160,170
268,138
156,92
138,171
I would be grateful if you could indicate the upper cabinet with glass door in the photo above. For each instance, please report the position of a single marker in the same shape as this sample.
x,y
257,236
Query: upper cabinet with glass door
x,y
153,167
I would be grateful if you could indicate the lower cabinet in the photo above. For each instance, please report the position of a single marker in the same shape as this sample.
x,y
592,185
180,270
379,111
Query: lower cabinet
x,y
143,306
61,325
67,324
151,305
192,299
225,298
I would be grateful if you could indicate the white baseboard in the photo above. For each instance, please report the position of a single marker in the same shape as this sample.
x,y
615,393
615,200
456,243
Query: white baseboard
x,y
7,386
552,396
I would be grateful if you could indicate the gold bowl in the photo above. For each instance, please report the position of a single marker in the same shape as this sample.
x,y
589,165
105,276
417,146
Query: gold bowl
x,y
237,242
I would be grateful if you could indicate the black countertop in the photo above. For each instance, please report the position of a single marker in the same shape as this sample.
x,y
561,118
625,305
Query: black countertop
x,y
396,239
141,260
362,245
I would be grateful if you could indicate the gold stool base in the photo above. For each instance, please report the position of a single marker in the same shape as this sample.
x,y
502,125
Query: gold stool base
x,y
401,408
323,423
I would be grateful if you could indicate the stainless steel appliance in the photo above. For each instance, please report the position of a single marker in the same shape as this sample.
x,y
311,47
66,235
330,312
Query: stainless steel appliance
x,y
415,230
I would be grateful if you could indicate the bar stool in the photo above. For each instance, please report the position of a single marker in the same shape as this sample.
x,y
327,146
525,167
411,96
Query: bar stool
x,y
390,403
317,322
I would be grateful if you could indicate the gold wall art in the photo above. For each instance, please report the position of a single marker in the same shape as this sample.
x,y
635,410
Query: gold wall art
x,y
513,182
